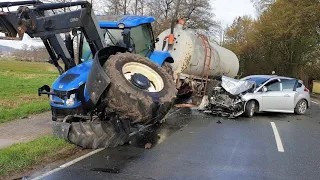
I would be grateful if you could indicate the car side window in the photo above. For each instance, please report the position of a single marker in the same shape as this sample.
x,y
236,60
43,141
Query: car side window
x,y
299,85
288,84
273,85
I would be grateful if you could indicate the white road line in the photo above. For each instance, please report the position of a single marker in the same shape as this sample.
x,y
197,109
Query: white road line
x,y
277,137
67,164
314,102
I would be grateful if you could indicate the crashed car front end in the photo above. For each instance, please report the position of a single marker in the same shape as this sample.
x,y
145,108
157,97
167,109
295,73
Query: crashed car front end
x,y
226,99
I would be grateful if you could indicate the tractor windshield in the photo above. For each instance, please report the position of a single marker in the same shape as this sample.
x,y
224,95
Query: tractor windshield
x,y
141,38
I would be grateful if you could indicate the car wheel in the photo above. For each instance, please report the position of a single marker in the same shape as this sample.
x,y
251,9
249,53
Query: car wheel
x,y
301,107
250,109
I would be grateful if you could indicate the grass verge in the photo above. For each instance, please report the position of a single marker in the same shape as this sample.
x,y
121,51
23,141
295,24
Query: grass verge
x,y
19,85
18,157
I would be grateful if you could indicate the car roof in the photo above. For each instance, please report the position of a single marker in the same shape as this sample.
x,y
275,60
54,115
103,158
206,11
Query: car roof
x,y
268,77
112,21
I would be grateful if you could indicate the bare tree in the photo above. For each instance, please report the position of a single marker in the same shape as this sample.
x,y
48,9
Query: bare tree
x,y
116,7
197,13
262,5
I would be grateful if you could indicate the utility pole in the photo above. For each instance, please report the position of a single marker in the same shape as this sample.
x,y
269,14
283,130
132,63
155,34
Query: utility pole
x,y
125,7
175,17
136,8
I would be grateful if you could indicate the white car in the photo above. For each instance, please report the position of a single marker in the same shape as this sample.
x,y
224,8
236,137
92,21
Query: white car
x,y
276,94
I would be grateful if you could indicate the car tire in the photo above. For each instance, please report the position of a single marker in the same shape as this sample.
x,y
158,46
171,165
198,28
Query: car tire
x,y
250,109
301,107
130,102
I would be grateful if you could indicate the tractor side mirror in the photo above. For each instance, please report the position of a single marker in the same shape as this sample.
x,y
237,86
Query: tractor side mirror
x,y
264,89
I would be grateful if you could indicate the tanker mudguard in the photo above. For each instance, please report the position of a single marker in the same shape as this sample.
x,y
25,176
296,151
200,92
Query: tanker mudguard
x,y
159,57
98,80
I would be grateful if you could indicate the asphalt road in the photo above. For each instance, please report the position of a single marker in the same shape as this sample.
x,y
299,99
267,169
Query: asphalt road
x,y
193,145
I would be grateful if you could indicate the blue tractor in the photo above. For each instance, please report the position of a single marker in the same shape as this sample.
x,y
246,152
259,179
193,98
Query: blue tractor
x,y
115,86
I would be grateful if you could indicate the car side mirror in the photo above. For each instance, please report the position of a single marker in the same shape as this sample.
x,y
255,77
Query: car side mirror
x,y
264,89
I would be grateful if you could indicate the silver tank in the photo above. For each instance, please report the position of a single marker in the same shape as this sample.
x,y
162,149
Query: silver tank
x,y
188,53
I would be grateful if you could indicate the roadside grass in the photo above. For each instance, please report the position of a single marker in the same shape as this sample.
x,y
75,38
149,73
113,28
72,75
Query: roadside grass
x,y
18,157
19,83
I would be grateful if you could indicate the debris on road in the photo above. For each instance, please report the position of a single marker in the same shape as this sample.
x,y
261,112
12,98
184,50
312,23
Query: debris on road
x,y
107,170
185,105
26,117
148,146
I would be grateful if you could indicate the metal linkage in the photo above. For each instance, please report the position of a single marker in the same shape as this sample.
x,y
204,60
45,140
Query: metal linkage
x,y
37,22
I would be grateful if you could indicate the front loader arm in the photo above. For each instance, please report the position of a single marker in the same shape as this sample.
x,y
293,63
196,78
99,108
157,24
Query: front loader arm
x,y
36,22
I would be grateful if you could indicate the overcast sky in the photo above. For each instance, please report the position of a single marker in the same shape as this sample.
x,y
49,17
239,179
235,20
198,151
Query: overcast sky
x,y
225,11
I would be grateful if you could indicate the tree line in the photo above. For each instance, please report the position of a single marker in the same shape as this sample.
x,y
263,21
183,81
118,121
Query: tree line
x,y
197,13
30,53
283,38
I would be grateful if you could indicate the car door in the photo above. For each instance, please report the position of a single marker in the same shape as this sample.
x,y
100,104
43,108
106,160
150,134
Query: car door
x,y
276,100
289,92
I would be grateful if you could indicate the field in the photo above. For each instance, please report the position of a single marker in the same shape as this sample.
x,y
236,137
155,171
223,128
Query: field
x,y
19,83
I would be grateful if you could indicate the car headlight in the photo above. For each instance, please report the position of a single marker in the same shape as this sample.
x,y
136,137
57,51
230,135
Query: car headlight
x,y
71,100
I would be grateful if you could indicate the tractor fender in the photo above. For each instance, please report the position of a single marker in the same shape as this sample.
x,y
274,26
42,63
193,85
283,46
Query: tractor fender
x,y
98,80
159,57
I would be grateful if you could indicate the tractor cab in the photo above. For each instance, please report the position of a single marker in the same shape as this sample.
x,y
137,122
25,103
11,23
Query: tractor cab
x,y
131,32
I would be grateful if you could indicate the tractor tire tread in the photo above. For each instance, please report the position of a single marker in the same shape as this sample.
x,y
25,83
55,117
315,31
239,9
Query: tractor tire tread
x,y
96,135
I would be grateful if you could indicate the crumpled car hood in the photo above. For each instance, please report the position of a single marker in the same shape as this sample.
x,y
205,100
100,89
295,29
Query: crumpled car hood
x,y
234,86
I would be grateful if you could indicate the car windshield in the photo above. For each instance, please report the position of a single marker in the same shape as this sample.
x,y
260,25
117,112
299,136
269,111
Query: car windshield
x,y
141,37
258,80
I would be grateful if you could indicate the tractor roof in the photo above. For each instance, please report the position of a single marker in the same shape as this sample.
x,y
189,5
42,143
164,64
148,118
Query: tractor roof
x,y
127,20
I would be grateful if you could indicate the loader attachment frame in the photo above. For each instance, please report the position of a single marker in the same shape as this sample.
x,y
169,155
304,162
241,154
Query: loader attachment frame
x,y
32,17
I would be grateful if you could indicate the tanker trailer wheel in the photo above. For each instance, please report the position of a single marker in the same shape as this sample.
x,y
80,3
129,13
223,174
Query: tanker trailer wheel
x,y
140,90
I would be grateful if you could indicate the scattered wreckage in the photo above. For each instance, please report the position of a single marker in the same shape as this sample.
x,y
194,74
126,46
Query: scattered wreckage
x,y
225,97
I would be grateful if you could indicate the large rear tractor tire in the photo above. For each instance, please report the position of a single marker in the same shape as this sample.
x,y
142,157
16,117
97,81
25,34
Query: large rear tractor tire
x,y
97,134
168,68
133,100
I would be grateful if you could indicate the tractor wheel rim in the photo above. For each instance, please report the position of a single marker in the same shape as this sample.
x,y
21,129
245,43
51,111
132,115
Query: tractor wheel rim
x,y
303,107
131,68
